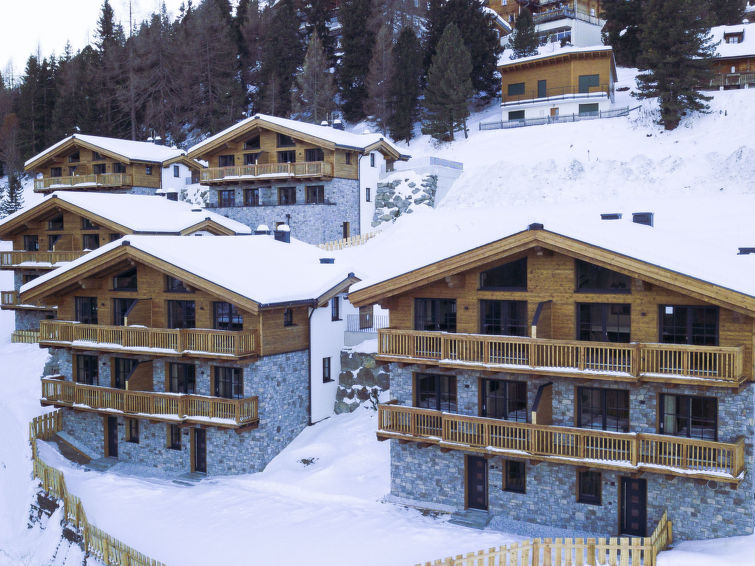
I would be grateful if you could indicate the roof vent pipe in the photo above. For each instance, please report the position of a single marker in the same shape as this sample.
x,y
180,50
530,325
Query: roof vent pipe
x,y
611,216
283,233
262,230
645,218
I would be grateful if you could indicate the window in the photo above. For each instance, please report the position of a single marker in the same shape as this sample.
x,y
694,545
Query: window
x,y
86,310
26,277
74,157
181,378
252,143
227,317
596,279
31,243
516,115
372,160
173,285
251,197
286,157
603,322
507,318
176,173
335,308
114,237
367,194
72,171
542,89
695,325
346,230
90,241
99,168
86,369
229,383
586,82
119,168
87,224
435,314
55,223
121,309
226,160
326,370
96,156
603,409
437,392
316,194
174,437
515,89
589,109
286,195
251,158
122,368
227,198
347,158
148,169
504,400
514,476
588,487
181,314
510,276
52,240
288,317
56,171
132,430
125,281
171,196
315,154
692,417
285,141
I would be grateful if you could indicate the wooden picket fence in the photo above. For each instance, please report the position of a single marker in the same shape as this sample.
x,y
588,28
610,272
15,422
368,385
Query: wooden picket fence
x,y
357,240
97,543
25,337
567,552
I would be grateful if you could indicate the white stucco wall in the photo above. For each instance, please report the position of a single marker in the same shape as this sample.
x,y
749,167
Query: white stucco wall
x,y
368,178
175,183
566,107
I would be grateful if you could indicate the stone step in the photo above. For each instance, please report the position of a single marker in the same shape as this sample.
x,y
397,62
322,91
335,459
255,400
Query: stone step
x,y
472,518
102,464
189,479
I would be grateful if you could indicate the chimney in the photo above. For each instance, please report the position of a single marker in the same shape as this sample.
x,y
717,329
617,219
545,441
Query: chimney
x,y
535,226
337,124
282,233
611,216
645,218
262,230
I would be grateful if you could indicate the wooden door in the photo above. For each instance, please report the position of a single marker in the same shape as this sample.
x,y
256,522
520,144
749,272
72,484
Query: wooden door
x,y
634,499
111,437
554,112
477,482
200,450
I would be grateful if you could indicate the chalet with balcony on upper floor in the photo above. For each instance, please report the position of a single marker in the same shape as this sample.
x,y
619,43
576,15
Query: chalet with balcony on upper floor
x,y
93,163
574,81
319,180
734,65
66,225
168,352
595,374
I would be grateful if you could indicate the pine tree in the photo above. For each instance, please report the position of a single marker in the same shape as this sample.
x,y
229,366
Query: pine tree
x,y
313,97
357,40
109,74
378,105
317,16
676,57
449,87
13,199
250,52
727,12
524,40
622,29
405,85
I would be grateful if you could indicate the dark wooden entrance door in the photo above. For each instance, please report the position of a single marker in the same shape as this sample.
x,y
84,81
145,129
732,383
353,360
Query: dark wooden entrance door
x,y
634,500
200,450
112,437
477,482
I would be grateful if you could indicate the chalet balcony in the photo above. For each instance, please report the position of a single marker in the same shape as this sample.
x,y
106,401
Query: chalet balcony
x,y
166,407
92,181
556,14
667,363
37,260
732,80
191,342
266,171
557,94
9,300
641,452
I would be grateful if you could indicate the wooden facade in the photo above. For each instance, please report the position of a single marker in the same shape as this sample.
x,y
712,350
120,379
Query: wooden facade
x,y
546,10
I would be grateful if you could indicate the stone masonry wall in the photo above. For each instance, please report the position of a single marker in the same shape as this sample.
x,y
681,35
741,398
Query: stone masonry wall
x,y
361,377
29,320
402,192
698,509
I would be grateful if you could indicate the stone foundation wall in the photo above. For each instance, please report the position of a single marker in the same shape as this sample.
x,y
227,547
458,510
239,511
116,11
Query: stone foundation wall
x,y
86,428
401,193
361,377
29,320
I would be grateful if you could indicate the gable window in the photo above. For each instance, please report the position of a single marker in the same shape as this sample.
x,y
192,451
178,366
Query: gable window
x,y
86,369
148,169
603,322
122,369
121,309
286,195
437,392
367,194
86,310
125,281
347,158
692,417
229,383
99,168
174,437
26,277
251,158
176,171
252,143
227,198
55,223
87,224
326,370
435,314
288,317
588,82
226,160
119,168
603,409
588,487
507,318
285,141
31,243
315,154
56,171
90,241
335,308
511,276
514,476
173,285
286,157
74,157
504,400
96,156
181,378
132,430
227,317
316,194
114,237
372,160
695,325
181,314
515,89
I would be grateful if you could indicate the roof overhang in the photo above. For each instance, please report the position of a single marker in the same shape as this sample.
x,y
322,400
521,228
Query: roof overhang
x,y
557,58
190,163
70,143
209,225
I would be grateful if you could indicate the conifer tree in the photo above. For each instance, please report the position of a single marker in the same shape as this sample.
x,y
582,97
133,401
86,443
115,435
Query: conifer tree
x,y
727,12
524,40
251,29
313,97
13,200
317,16
356,43
109,74
622,29
676,57
378,105
405,85
449,87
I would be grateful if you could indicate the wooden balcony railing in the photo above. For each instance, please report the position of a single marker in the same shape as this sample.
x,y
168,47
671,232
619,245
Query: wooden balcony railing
x,y
84,181
577,446
299,169
16,259
169,407
11,300
711,365
158,341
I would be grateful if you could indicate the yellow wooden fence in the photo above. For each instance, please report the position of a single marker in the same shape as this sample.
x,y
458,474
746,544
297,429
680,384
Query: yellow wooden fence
x,y
97,542
357,240
25,337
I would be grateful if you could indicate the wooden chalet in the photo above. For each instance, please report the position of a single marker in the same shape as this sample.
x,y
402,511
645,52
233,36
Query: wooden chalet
x,y
734,64
573,21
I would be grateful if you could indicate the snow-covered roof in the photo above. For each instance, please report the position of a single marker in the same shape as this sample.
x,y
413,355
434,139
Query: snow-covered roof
x,y
504,62
256,267
723,49
340,138
131,150
503,24
139,213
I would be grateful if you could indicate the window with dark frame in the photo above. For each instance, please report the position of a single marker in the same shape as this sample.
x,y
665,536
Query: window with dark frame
x,y
346,230
182,378
121,309
504,400
126,280
227,317
504,318
603,409
56,172
285,140
372,160
287,156
31,243
181,314
326,370
87,224
26,277
86,369
251,197
52,240
90,241
252,143
514,476
148,169
586,82
286,195
251,158
96,156
688,416
226,160
316,194
122,370
589,487
314,154
99,168
132,430
592,278
683,324
288,317
437,392
75,157
435,315
367,194
604,322
174,437
347,157
72,171
86,310
119,168
176,171
114,237
229,382
173,285
227,198
55,223
511,276
515,89
335,308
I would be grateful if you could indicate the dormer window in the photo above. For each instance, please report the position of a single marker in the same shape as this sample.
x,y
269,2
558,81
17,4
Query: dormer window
x,y
734,37
74,158
125,281
285,141
252,143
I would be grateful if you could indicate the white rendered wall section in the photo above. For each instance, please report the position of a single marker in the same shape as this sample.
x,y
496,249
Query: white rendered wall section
x,y
368,179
